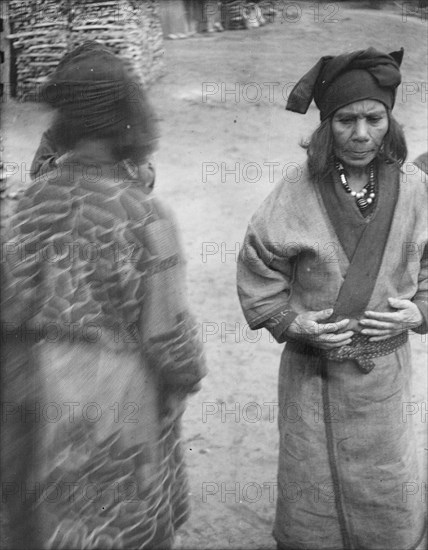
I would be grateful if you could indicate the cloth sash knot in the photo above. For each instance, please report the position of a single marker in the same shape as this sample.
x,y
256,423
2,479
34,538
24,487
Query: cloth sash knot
x,y
362,351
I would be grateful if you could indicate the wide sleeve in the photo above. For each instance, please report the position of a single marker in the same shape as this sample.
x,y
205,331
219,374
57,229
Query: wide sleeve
x,y
264,279
22,294
170,335
421,296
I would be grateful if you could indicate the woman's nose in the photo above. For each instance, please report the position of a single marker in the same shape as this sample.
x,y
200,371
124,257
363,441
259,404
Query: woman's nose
x,y
361,130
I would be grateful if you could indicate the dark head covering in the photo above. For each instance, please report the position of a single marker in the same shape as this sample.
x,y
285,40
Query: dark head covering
x,y
338,81
88,83
97,95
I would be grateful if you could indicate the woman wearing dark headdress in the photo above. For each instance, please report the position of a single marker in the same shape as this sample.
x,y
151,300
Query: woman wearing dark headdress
x,y
336,265
94,276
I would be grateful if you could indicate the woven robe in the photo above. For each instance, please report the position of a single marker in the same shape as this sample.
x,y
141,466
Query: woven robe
x,y
100,354
347,459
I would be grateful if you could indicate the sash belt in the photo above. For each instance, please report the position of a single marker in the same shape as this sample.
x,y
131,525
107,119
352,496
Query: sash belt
x,y
361,350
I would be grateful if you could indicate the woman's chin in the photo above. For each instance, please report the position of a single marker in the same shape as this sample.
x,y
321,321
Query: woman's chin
x,y
357,160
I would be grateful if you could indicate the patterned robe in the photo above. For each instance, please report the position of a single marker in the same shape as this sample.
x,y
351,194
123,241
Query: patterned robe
x,y
347,461
100,354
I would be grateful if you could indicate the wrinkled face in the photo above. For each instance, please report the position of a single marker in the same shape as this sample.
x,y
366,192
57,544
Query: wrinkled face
x,y
358,132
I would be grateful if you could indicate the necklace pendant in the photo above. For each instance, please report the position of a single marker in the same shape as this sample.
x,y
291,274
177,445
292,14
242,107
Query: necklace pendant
x,y
367,194
362,203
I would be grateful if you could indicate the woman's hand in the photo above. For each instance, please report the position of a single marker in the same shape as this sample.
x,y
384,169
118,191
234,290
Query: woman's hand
x,y
381,326
306,327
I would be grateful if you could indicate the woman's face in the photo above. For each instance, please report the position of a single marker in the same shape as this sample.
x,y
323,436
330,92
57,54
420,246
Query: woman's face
x,y
358,132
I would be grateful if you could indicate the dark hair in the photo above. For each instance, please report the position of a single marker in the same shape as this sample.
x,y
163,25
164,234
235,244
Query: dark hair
x,y
320,147
132,129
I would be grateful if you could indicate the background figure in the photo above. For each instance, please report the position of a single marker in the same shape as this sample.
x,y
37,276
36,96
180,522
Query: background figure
x,y
323,269
174,19
204,15
107,351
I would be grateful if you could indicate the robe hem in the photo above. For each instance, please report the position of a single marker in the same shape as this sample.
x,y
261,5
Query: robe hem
x,y
286,546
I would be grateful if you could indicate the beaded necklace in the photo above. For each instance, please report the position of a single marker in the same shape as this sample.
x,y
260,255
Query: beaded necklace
x,y
367,194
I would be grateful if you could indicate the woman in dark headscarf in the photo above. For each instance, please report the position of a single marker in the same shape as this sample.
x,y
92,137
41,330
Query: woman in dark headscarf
x,y
94,279
336,265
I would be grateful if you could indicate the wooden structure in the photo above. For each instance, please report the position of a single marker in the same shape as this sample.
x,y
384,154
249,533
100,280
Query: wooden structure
x,y
41,31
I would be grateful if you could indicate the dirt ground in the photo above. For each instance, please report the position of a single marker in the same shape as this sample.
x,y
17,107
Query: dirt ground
x,y
224,126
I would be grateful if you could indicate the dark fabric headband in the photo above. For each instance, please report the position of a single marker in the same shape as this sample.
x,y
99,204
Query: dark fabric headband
x,y
89,84
338,81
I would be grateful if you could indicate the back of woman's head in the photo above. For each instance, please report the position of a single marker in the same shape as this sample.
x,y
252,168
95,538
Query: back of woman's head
x,y
97,98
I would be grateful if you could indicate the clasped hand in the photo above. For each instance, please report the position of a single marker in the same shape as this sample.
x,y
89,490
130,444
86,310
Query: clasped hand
x,y
307,327
379,326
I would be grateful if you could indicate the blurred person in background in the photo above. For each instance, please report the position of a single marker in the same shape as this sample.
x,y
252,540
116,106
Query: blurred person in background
x,y
101,348
336,265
